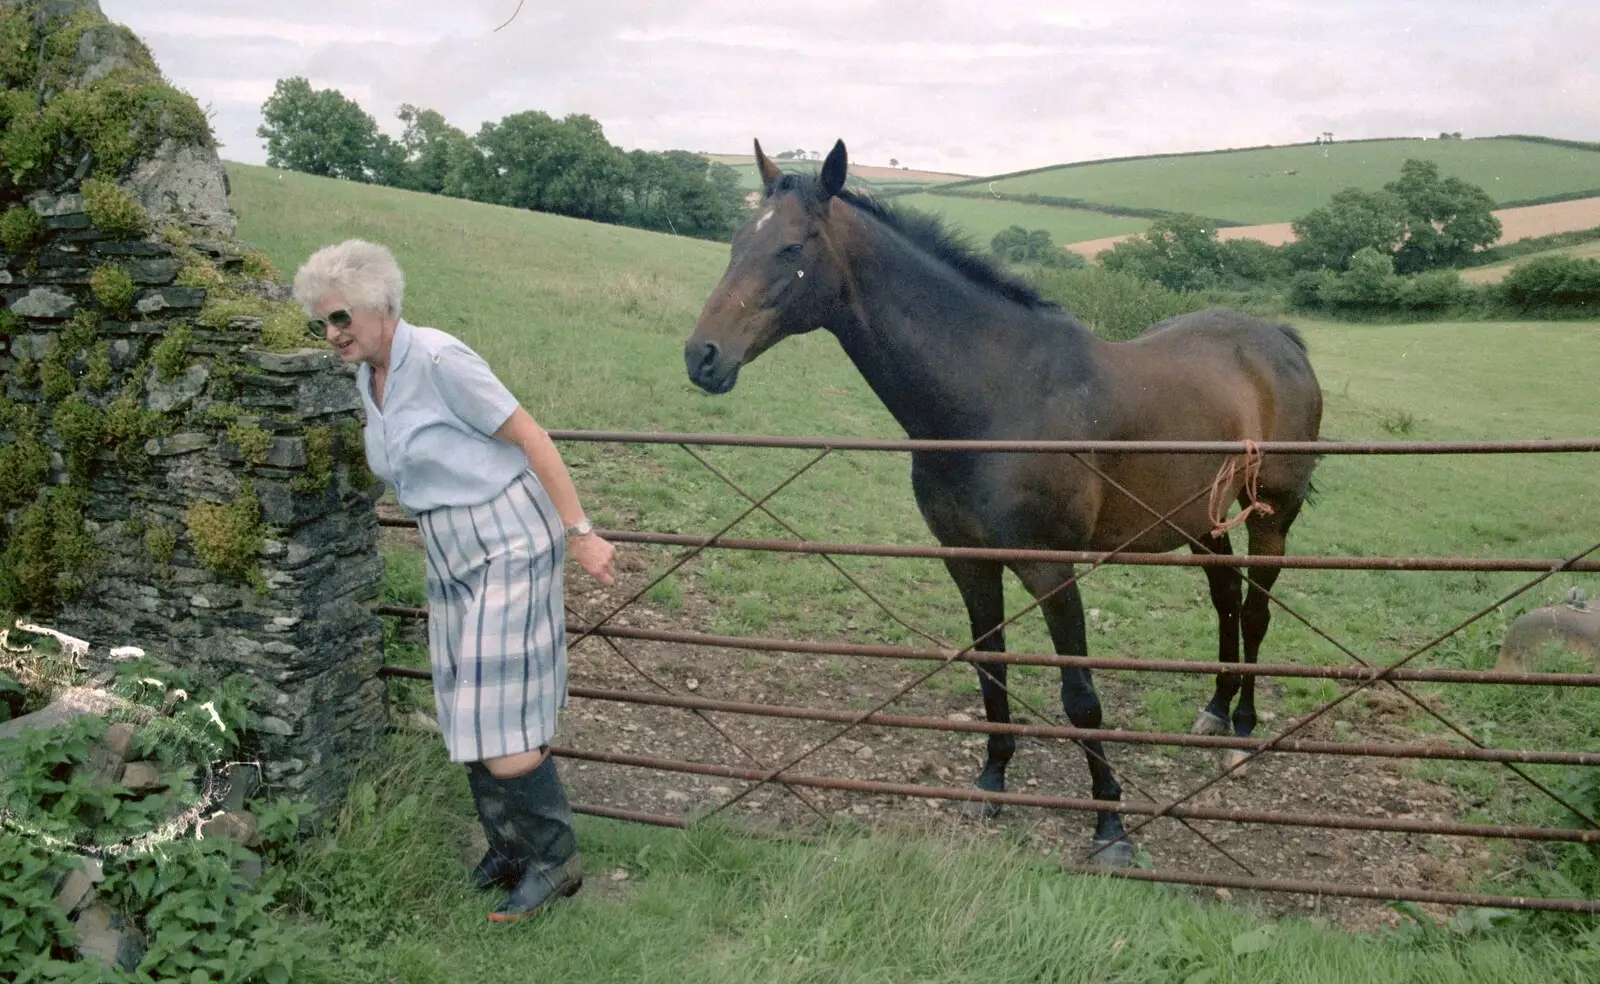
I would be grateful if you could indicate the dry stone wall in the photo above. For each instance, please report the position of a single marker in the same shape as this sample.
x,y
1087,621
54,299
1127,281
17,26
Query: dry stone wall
x,y
179,471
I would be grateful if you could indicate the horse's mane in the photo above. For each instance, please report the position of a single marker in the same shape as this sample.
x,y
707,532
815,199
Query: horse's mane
x,y
929,234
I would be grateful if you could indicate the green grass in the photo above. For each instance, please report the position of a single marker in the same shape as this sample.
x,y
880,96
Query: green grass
x,y
982,218
586,322
1496,272
388,883
1254,186
750,180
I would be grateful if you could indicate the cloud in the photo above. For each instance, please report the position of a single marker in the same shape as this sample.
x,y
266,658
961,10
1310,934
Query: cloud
x,y
981,87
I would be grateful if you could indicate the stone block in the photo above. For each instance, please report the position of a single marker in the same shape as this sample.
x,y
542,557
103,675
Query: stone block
x,y
105,936
1573,627
238,826
141,777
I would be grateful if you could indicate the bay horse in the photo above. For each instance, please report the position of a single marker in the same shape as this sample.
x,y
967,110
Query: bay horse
x,y
957,349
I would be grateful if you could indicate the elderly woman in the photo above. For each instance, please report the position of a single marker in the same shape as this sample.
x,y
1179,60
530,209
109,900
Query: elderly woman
x,y
497,513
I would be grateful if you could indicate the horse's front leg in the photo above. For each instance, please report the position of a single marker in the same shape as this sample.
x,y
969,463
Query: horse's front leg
x,y
979,582
1063,611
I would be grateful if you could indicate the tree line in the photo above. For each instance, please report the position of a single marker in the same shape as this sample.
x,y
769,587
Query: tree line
x,y
526,160
1393,251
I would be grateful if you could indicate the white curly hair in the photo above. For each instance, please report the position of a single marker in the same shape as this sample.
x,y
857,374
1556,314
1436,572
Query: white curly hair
x,y
364,274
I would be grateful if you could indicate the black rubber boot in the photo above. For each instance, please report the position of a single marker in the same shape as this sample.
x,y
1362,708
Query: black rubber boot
x,y
536,831
499,867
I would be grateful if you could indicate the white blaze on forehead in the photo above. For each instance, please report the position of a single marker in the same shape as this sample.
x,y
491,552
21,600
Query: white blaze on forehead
x,y
763,220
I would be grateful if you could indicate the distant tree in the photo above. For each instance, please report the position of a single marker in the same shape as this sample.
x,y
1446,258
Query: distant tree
x,y
1369,281
1180,252
1353,218
566,166
1446,219
682,193
319,131
893,162
1015,244
432,148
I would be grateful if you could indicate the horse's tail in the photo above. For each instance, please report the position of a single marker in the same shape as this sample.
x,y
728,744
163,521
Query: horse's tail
x,y
1312,492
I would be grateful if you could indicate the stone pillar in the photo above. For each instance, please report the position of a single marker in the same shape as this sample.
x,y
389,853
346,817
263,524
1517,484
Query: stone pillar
x,y
181,467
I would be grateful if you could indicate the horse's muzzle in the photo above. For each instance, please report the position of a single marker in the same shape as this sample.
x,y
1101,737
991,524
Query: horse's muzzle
x,y
709,367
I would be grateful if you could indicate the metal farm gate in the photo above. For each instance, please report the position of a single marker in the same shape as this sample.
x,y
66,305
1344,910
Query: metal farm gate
x,y
1361,675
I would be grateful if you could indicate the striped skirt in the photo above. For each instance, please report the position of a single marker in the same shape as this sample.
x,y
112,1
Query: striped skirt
x,y
497,631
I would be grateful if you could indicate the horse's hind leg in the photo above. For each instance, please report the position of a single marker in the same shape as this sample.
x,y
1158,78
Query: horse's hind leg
x,y
1226,597
1268,536
1063,611
979,582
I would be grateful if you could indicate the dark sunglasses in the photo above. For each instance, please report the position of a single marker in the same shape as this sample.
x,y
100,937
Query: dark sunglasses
x,y
318,327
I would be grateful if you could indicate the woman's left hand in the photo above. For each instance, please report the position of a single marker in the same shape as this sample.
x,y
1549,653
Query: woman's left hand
x,y
594,555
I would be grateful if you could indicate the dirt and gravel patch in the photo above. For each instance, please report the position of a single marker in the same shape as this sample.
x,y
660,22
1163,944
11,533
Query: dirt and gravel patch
x,y
1282,782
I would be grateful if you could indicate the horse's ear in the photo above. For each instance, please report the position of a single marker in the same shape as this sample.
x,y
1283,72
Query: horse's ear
x,y
833,170
768,170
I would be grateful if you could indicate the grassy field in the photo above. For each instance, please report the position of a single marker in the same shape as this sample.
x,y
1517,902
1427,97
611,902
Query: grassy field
x,y
387,885
982,218
586,322
878,179
1279,184
1496,272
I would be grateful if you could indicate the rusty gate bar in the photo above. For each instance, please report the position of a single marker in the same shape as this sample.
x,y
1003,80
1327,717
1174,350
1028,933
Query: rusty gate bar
x,y
633,816
875,651
1087,447
1447,828
1068,732
1071,733
1131,558
1379,892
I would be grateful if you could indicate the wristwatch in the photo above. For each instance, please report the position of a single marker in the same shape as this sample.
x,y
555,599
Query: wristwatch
x,y
584,528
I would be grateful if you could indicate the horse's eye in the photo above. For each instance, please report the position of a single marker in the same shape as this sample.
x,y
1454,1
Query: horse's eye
x,y
791,251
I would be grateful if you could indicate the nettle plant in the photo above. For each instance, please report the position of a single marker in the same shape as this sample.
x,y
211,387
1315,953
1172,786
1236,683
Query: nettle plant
x,y
196,911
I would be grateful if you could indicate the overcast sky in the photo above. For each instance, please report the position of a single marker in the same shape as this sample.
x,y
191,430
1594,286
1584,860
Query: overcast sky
x,y
974,87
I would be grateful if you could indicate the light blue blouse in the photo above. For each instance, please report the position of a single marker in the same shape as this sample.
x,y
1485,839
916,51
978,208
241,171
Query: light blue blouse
x,y
433,440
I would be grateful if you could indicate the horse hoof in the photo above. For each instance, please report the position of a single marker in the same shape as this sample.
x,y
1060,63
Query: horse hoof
x,y
979,810
1209,724
1236,759
1116,854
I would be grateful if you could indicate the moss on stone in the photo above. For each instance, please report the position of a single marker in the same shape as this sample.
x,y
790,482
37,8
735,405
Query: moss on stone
x,y
10,324
353,449
56,378
160,543
81,429
113,288
55,372
50,554
24,460
26,373
197,271
254,444
21,228
98,378
223,414
115,117
113,209
128,425
171,354
319,461
79,333
283,324
228,538
284,329
255,265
